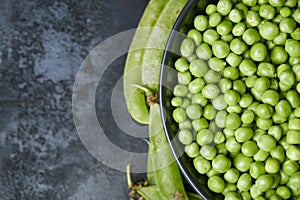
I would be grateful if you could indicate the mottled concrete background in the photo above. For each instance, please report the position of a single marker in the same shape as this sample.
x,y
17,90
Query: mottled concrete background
x,y
42,44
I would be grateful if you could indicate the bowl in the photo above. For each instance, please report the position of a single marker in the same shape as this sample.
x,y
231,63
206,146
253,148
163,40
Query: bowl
x,y
167,81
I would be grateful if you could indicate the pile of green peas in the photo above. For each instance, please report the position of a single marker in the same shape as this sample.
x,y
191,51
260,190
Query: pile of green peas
x,y
237,101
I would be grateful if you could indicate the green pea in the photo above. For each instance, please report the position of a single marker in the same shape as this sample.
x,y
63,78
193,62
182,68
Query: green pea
x,y
233,60
280,39
194,111
264,124
210,36
239,86
284,192
258,133
294,124
225,84
195,35
278,153
202,165
292,47
277,3
187,47
221,163
199,124
290,3
296,34
250,81
216,64
212,172
278,55
212,77
249,148
210,9
296,15
261,155
282,67
224,7
284,178
268,30
243,134
287,25
222,149
204,136
242,7
248,67
220,49
232,145
181,65
196,85
231,194
262,84
256,94
209,112
283,108
232,97
232,175
250,3
237,46
253,18
220,118
266,69
246,100
203,51
199,99
272,166
245,182
219,103
264,182
251,36
191,58
231,73
179,115
192,150
180,90
214,19
289,167
258,52
274,84
276,132
235,15
266,143
184,78
247,117
296,70
224,27
198,68
185,124
234,109
294,183
264,111
176,101
185,136
216,184
242,162
227,38
201,22
266,11
257,169
210,91
293,98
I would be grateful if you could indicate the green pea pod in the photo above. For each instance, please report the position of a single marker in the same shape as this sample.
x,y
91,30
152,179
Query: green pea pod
x,y
167,174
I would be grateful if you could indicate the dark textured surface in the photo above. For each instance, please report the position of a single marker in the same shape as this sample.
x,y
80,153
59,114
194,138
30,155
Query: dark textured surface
x,y
42,45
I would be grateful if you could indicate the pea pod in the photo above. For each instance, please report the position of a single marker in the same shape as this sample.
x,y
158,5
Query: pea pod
x,y
167,174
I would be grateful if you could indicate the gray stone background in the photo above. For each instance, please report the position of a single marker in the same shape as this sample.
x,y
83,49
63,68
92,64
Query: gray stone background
x,y
42,44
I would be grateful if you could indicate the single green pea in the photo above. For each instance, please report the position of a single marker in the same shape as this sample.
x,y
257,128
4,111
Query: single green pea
x,y
179,115
294,184
280,39
244,183
235,15
287,25
266,143
256,94
284,178
290,3
204,136
234,109
251,36
294,124
289,167
246,100
239,29
199,124
292,47
202,165
199,99
232,145
176,101
284,192
225,84
239,86
233,59
266,11
242,162
212,172
250,80
264,182
191,58
187,124
232,175
276,132
262,84
195,35
257,169
293,98
219,103
214,19
231,194
180,90
221,163
201,22
231,73
253,18
220,118
266,69
274,84
296,14
232,97
247,117
185,102
192,150
227,38
181,65
258,52
248,67
203,51
220,49
198,68
224,7
216,184
250,3
264,124
216,64
278,18
221,149
210,91
185,136
210,9
212,77
187,47
242,7
261,155
243,134
283,108
210,36
272,166
194,111
264,111
224,27
249,148
196,85
277,3
258,133
278,153
278,55
296,70
209,112
253,105
237,46
285,11
282,67
296,34
184,78
268,30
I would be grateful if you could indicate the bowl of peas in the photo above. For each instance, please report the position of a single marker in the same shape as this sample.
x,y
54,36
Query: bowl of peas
x,y
230,98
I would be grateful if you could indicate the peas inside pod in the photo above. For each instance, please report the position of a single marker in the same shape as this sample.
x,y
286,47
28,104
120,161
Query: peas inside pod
x,y
240,94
